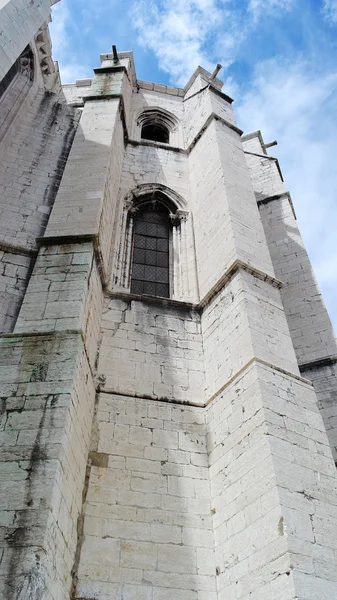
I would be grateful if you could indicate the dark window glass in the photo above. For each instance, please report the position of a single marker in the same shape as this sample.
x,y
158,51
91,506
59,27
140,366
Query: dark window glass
x,y
155,132
150,260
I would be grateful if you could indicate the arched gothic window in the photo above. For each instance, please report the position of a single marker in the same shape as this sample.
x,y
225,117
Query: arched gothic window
x,y
150,269
155,132
153,243
158,125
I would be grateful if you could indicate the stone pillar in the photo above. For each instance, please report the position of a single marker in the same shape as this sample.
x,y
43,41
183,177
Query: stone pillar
x,y
269,455
48,366
309,323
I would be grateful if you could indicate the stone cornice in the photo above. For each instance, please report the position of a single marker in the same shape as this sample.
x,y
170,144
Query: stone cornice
x,y
79,239
15,249
229,274
319,363
212,117
234,268
268,199
255,361
156,145
169,302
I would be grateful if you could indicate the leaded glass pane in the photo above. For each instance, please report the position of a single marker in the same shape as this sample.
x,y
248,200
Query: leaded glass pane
x,y
150,261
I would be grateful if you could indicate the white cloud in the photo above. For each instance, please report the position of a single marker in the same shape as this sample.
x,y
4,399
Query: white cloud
x,y
177,31
70,69
186,33
259,7
60,19
296,106
330,11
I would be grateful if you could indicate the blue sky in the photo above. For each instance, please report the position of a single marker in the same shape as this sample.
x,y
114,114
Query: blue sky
x,y
280,65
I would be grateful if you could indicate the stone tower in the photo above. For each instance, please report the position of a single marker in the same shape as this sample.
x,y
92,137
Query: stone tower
x,y
167,365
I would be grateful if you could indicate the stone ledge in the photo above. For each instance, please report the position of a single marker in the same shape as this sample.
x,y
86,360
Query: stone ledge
x,y
268,199
14,249
110,69
156,145
212,117
111,392
45,335
316,364
62,240
169,302
264,363
213,89
199,307
42,334
231,271
252,361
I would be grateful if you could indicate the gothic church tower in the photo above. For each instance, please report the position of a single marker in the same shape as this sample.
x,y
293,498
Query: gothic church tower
x,y
167,365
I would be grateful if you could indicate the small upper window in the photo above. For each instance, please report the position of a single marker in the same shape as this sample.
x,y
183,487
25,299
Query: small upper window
x,y
156,132
157,125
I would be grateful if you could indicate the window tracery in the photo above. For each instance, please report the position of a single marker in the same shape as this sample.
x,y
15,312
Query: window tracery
x,y
153,257
157,125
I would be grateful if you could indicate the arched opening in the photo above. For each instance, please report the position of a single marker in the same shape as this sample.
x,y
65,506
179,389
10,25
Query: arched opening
x,y
150,265
156,132
153,245
157,125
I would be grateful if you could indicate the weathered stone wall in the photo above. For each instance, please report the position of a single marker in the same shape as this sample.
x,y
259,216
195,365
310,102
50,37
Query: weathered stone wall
x,y
263,169
19,22
324,378
245,320
46,422
310,327
152,350
226,220
155,448
309,322
148,525
33,158
273,485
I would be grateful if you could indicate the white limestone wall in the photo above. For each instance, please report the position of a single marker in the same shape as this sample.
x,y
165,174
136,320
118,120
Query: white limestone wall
x,y
226,219
19,22
31,169
152,350
148,524
265,176
46,416
309,322
14,273
201,104
273,486
245,320
324,378
33,155
85,173
149,164
64,293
